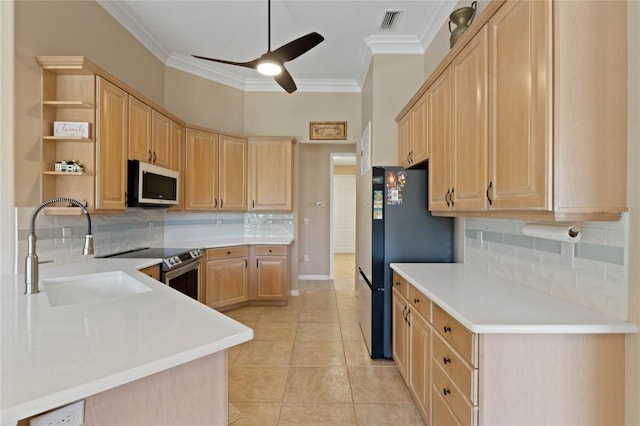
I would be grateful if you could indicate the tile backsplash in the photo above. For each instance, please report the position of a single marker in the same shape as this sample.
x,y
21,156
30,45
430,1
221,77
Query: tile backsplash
x,y
591,272
139,227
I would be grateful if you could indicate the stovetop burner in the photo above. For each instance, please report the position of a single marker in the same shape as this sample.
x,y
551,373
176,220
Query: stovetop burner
x,y
171,257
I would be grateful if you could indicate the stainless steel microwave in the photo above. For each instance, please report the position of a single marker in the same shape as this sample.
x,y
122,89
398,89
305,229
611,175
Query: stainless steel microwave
x,y
151,186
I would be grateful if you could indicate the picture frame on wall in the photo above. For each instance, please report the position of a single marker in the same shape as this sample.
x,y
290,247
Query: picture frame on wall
x,y
328,130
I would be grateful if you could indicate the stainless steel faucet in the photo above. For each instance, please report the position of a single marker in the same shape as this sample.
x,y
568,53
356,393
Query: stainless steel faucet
x,y
31,261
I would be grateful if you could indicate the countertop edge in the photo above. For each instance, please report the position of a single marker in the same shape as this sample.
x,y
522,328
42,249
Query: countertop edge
x,y
68,396
617,327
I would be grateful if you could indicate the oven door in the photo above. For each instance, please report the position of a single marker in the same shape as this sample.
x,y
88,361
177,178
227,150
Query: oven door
x,y
185,279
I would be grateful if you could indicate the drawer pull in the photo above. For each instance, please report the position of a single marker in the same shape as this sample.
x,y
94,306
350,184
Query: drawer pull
x,y
416,300
397,282
447,329
446,360
228,252
446,391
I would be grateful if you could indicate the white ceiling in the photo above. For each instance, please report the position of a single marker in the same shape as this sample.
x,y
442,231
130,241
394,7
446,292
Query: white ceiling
x,y
236,30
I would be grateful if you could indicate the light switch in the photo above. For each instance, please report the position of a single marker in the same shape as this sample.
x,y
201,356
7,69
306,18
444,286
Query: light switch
x,y
306,220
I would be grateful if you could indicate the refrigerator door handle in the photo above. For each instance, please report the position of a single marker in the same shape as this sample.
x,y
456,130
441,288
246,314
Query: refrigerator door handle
x,y
369,282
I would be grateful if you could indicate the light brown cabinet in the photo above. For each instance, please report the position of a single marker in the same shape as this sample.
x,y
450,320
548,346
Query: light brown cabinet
x,y
411,341
227,276
543,131
111,146
150,138
271,174
413,136
271,277
75,89
458,121
215,171
440,160
71,91
458,377
152,271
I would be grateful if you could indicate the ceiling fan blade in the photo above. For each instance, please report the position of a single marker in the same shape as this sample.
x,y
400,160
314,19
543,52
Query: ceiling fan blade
x,y
297,47
285,81
249,64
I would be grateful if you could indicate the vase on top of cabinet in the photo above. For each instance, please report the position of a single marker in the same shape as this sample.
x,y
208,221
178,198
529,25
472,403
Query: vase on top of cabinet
x,y
462,18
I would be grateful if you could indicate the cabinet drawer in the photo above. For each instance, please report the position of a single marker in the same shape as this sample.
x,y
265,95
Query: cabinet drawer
x,y
455,333
419,302
461,407
458,369
440,413
271,250
227,252
401,285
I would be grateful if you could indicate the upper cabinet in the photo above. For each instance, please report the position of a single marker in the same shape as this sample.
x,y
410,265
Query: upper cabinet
x,y
537,120
520,172
150,138
458,124
271,174
120,126
215,171
413,135
111,147
73,92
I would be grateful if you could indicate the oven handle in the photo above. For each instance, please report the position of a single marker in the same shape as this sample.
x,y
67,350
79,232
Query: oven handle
x,y
169,275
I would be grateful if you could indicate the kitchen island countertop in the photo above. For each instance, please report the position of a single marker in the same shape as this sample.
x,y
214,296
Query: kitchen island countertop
x,y
52,356
489,303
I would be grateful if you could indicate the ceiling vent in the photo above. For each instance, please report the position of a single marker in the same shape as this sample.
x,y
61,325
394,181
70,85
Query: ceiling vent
x,y
390,20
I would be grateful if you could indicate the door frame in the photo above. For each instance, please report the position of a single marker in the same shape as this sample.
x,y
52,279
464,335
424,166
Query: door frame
x,y
334,157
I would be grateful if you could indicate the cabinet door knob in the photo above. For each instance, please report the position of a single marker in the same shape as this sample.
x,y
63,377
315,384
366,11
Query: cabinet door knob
x,y
416,300
216,204
149,155
228,252
446,197
154,157
246,264
446,360
446,391
451,197
221,202
447,329
488,188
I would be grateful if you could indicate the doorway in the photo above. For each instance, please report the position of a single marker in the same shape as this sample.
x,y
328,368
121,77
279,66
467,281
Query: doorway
x,y
343,205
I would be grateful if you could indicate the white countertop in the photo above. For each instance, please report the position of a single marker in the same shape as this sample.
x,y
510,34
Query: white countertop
x,y
227,242
52,356
488,303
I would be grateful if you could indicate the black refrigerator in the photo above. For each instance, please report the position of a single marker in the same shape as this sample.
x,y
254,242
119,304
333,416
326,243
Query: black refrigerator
x,y
402,230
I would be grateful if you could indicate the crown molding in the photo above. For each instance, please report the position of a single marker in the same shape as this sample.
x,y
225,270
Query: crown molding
x,y
200,68
131,24
439,17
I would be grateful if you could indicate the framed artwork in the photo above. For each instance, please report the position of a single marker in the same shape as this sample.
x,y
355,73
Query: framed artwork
x,y
328,130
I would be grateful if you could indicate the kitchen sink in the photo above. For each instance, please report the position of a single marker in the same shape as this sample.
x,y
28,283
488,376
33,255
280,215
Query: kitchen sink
x,y
91,288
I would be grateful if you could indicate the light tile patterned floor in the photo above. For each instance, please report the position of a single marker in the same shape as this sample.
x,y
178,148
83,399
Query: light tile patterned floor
x,y
308,364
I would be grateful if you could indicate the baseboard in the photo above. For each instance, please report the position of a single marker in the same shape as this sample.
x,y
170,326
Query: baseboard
x,y
314,277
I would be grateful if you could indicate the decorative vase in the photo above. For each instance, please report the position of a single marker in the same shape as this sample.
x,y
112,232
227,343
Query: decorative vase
x,y
462,18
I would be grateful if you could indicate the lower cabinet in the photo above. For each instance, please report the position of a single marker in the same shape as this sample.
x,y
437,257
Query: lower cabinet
x,y
271,273
227,276
457,377
152,271
412,341
243,274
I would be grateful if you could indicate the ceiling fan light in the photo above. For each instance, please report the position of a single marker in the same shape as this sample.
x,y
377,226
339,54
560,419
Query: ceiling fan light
x,y
269,68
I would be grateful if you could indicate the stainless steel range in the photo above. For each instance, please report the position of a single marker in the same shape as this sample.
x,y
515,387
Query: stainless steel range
x,y
180,267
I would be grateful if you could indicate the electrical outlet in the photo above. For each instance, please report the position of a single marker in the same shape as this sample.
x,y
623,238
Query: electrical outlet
x,y
69,415
306,221
306,257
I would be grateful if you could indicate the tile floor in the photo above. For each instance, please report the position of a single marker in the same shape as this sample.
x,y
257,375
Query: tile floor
x,y
308,363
